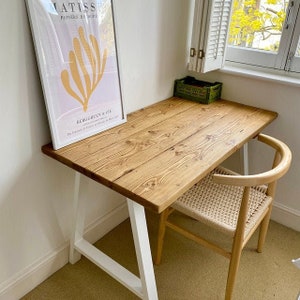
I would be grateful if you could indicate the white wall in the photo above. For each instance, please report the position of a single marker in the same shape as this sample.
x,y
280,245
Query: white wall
x,y
35,191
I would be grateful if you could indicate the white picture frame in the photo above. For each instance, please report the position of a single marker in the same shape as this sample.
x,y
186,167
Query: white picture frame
x,y
76,51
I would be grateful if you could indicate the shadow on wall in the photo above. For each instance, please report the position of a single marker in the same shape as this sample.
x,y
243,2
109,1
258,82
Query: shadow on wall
x,y
33,215
175,27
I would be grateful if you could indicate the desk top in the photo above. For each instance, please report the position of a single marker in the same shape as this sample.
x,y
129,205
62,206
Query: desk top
x,y
163,149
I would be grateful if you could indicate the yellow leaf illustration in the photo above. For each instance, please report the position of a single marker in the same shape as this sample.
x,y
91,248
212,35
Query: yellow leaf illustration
x,y
84,83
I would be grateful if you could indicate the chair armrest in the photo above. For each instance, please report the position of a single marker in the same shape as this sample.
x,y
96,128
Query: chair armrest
x,y
281,164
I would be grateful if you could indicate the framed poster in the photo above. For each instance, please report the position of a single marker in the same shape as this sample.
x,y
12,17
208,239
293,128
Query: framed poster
x,y
77,57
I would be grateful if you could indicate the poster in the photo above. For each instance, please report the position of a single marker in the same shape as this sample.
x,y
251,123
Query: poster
x,y
77,57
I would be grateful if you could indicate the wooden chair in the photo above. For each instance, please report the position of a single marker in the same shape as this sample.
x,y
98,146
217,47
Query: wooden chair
x,y
233,204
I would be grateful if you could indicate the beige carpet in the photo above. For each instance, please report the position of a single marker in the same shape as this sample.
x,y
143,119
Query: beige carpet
x,y
188,271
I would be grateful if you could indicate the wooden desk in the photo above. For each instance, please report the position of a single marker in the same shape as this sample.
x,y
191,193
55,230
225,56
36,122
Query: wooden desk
x,y
152,159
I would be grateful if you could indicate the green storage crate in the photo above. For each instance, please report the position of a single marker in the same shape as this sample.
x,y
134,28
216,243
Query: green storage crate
x,y
196,90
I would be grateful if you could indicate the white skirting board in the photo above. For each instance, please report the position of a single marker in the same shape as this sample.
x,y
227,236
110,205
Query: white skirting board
x,y
32,276
26,280
286,216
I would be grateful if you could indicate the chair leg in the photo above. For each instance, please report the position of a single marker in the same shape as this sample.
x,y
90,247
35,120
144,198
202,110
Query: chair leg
x,y
263,231
233,267
161,233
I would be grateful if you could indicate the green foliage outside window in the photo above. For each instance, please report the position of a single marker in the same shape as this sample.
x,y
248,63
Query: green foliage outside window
x,y
257,23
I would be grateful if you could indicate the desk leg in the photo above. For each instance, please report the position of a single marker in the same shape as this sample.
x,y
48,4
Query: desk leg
x,y
80,192
142,249
145,286
245,158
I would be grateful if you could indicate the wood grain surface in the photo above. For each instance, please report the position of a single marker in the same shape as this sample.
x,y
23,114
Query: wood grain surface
x,y
163,149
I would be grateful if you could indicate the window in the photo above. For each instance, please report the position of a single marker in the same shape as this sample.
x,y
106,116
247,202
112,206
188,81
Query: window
x,y
262,33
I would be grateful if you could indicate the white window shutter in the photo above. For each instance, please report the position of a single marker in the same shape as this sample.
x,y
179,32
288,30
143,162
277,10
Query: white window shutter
x,y
199,24
209,37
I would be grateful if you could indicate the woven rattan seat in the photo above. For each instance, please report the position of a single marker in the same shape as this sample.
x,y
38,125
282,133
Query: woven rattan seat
x,y
231,203
199,202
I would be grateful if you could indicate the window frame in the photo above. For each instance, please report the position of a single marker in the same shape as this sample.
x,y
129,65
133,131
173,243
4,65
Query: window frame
x,y
201,41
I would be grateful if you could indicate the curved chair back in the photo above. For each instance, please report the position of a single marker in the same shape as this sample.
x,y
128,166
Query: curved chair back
x,y
281,164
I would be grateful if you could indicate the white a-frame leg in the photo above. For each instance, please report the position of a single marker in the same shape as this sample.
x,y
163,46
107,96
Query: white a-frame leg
x,y
145,286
